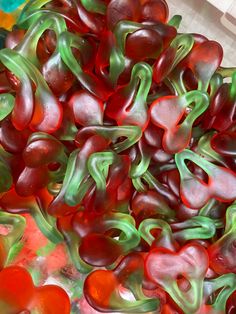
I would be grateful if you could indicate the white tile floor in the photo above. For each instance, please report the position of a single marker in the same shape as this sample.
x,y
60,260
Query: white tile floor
x,y
201,17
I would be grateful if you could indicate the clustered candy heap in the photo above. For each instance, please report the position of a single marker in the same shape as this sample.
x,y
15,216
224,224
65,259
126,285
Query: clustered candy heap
x,y
118,136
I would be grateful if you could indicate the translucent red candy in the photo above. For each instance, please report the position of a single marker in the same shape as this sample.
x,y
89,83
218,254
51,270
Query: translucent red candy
x,y
117,162
18,294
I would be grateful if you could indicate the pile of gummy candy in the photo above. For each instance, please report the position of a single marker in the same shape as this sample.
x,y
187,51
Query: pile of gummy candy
x,y
118,141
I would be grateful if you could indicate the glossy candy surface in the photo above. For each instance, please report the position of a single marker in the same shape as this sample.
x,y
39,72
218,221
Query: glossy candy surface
x,y
117,162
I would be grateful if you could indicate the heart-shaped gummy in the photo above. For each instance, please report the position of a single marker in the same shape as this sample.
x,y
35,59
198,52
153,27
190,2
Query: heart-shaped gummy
x,y
180,274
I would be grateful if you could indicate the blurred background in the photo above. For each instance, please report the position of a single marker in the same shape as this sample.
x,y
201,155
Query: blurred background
x,y
200,16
